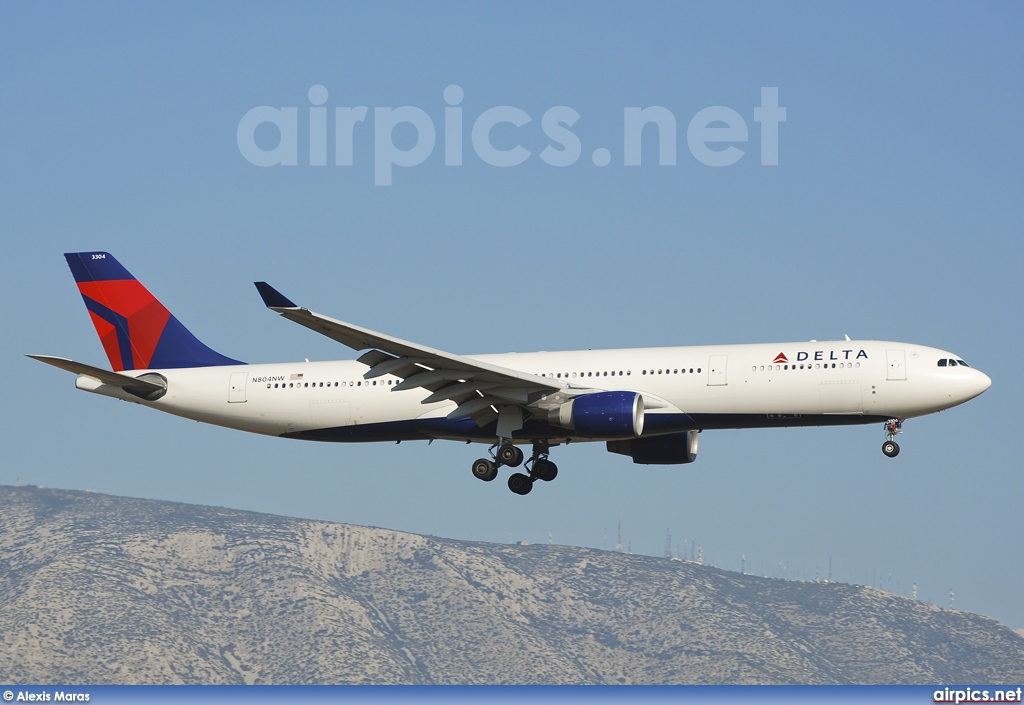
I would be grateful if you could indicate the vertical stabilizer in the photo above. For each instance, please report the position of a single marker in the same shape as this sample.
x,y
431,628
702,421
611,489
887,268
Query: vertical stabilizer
x,y
136,330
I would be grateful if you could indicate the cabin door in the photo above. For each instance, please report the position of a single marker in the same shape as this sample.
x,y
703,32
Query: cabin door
x,y
716,370
897,364
236,387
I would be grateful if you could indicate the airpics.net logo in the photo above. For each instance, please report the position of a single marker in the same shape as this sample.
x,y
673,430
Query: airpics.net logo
x,y
712,134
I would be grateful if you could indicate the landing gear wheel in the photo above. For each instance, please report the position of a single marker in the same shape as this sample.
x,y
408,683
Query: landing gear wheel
x,y
519,483
509,455
893,427
483,469
544,470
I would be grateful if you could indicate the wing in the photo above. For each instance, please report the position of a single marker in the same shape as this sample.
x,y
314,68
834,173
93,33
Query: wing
x,y
479,389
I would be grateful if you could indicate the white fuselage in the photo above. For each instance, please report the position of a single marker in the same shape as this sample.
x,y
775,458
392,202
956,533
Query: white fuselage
x,y
690,388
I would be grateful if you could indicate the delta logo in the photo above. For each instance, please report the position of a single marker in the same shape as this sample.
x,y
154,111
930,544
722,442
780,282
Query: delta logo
x,y
822,355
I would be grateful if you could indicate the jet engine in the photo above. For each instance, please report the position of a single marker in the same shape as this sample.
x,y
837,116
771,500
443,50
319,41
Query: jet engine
x,y
602,415
670,449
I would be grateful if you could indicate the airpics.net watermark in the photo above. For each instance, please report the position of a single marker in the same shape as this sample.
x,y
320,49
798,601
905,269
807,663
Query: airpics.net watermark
x,y
711,135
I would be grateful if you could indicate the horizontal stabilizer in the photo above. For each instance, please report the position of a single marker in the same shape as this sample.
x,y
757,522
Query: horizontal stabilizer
x,y
151,388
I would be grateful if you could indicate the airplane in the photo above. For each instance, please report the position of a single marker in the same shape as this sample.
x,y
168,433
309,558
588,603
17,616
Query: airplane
x,y
649,404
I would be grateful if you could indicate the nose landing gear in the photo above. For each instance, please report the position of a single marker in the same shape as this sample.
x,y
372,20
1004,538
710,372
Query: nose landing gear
x,y
893,427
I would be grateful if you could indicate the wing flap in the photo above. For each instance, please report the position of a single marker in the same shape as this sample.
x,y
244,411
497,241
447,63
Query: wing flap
x,y
374,358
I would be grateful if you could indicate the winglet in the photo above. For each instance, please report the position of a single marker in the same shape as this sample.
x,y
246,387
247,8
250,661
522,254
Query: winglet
x,y
273,298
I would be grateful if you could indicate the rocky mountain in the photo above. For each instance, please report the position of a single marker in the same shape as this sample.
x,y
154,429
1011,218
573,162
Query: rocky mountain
x,y
99,589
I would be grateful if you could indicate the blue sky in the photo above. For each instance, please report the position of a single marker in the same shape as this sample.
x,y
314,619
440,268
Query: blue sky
x,y
893,213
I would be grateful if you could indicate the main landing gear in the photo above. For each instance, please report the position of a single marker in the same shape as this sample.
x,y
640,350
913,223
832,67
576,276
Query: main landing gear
x,y
893,427
538,466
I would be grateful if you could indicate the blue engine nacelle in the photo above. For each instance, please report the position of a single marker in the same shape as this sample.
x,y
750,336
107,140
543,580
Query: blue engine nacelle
x,y
671,449
603,415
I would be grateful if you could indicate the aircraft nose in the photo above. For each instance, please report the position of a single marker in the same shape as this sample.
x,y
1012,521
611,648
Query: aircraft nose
x,y
966,385
982,382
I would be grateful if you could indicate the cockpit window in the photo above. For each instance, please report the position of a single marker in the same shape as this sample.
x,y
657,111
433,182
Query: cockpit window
x,y
942,363
961,362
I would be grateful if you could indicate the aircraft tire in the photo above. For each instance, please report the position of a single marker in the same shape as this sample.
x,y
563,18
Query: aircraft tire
x,y
545,470
520,484
511,456
891,448
483,469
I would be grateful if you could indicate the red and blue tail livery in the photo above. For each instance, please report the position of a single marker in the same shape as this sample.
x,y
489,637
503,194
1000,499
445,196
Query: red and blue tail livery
x,y
136,330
